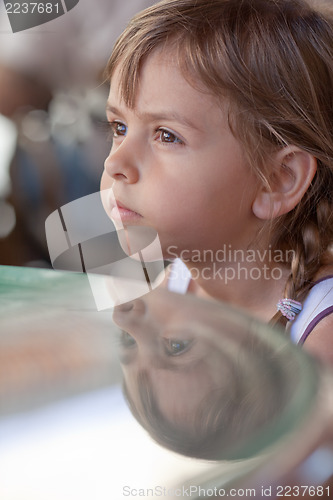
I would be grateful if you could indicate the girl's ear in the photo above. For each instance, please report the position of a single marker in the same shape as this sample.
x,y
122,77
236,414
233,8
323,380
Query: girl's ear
x,y
292,172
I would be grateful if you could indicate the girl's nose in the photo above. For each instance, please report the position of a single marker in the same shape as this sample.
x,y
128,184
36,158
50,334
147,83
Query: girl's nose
x,y
129,314
121,165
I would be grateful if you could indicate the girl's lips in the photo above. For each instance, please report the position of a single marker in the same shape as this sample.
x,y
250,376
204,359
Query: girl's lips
x,y
122,213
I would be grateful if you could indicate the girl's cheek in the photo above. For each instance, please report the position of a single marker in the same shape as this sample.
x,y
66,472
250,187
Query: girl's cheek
x,y
106,181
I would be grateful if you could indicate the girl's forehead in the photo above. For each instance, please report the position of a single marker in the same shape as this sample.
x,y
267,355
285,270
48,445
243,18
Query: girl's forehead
x,y
159,60
122,76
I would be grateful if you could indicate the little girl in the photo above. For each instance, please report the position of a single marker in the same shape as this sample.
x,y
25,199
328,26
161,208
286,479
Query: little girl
x,y
221,116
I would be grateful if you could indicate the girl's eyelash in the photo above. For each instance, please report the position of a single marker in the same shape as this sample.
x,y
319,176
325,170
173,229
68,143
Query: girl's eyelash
x,y
104,125
110,127
170,137
175,347
163,135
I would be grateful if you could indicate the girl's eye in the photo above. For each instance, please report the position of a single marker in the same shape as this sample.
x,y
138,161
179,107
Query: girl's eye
x,y
168,137
126,340
118,129
174,347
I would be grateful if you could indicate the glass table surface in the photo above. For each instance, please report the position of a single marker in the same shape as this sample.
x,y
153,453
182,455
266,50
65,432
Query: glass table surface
x,y
163,396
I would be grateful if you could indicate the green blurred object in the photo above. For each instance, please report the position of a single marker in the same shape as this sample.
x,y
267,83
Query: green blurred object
x,y
25,287
53,342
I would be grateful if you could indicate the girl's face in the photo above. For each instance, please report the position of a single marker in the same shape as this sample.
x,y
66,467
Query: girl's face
x,y
193,351
177,342
174,164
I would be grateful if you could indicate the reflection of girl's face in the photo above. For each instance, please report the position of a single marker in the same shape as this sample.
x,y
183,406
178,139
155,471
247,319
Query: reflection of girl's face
x,y
197,374
169,337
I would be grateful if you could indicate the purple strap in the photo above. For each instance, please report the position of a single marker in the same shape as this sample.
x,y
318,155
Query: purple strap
x,y
314,322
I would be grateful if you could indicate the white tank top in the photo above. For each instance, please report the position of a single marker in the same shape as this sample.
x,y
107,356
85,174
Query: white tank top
x,y
317,305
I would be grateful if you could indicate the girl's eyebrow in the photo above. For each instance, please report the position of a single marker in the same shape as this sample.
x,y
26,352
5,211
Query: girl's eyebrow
x,y
157,116
113,109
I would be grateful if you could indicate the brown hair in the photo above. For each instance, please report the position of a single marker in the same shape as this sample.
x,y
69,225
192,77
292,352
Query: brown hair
x,y
273,60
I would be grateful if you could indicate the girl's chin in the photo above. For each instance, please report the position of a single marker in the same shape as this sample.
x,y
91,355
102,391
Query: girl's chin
x,y
137,239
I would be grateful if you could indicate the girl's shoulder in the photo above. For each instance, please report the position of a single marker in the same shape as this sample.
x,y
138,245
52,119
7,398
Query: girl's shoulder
x,y
314,325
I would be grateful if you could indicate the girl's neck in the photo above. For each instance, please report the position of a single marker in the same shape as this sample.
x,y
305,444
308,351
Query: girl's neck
x,y
254,287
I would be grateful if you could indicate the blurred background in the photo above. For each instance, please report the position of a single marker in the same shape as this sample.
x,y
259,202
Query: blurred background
x,y
58,376
52,103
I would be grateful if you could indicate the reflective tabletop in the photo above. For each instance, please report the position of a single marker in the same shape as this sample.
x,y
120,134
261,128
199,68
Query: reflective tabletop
x,y
162,396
